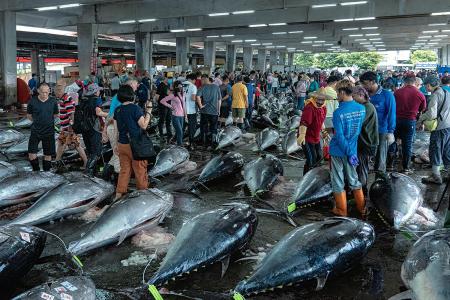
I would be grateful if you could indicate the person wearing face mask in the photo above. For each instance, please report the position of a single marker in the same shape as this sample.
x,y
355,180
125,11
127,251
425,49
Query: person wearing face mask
x,y
347,123
311,125
177,104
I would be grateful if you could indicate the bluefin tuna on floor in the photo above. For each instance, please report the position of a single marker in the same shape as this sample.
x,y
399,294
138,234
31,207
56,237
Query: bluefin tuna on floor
x,y
20,248
293,123
138,211
168,160
267,138
10,137
221,166
25,186
7,170
315,185
228,136
312,252
22,123
65,288
67,199
396,197
208,238
261,173
289,143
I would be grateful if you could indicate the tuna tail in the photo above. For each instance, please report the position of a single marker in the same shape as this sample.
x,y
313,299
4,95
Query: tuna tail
x,y
278,213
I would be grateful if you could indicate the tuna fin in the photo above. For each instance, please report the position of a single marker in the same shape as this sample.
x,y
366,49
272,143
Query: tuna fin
x,y
321,282
225,262
403,295
240,184
122,237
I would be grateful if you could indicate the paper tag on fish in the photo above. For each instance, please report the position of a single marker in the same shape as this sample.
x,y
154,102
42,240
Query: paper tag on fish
x,y
47,296
66,296
60,289
69,286
25,236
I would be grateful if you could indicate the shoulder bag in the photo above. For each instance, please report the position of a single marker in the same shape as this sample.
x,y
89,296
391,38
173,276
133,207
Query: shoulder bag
x,y
431,125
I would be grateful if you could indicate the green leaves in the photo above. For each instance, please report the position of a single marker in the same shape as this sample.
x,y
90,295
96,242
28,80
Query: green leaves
x,y
423,56
362,60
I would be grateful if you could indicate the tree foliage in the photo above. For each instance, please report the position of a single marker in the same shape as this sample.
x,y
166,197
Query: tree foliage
x,y
423,56
362,60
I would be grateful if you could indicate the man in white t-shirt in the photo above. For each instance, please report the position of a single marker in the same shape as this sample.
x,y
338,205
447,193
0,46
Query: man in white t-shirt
x,y
190,90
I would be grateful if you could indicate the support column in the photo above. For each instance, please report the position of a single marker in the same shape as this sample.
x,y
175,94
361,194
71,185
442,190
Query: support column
x,y
444,56
262,60
273,58
8,54
231,58
291,59
194,63
209,54
282,60
248,58
37,64
143,51
87,49
182,52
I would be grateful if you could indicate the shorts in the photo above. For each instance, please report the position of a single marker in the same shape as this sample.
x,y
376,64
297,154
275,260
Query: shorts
x,y
48,144
70,139
238,112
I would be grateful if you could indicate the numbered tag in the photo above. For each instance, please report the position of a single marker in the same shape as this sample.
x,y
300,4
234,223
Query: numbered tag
x,y
66,296
47,296
69,286
25,236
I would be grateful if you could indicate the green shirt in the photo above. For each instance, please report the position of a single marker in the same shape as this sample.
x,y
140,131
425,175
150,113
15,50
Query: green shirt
x,y
369,139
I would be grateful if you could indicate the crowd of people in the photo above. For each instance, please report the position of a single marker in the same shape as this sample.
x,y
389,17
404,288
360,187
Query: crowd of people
x,y
347,118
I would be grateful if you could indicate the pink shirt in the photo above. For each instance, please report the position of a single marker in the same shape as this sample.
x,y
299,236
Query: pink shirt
x,y
177,104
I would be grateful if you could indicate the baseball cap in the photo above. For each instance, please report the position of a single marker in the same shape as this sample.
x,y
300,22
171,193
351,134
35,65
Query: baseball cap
x,y
92,89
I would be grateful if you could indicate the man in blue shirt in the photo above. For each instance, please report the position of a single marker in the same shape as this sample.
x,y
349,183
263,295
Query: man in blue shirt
x,y
384,103
347,122
251,101
32,84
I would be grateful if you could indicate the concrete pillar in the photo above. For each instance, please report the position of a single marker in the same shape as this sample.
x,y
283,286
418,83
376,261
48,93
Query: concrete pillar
x,y
444,56
291,59
194,63
282,59
273,58
37,65
231,58
209,55
262,60
87,49
248,58
182,52
143,51
8,54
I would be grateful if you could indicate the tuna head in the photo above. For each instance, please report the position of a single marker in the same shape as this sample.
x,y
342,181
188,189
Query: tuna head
x,y
10,137
168,160
228,136
289,143
7,170
266,138
207,238
261,174
311,252
316,184
221,165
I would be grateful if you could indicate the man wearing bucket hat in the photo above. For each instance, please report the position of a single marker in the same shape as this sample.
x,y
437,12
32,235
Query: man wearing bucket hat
x,y
311,125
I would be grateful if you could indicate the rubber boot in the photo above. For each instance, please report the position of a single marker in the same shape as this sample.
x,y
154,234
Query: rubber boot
x,y
91,166
360,202
35,164
341,204
46,165
108,173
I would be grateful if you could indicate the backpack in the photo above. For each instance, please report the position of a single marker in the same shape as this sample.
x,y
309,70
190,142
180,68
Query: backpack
x,y
84,117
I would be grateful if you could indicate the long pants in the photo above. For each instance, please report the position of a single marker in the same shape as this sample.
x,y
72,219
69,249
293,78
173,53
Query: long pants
x,y
300,103
165,117
177,123
341,170
274,89
440,147
248,117
93,142
380,157
405,131
269,88
313,153
127,164
114,161
192,127
363,167
208,127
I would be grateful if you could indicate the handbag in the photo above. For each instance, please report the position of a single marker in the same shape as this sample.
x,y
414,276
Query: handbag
x,y
142,146
431,125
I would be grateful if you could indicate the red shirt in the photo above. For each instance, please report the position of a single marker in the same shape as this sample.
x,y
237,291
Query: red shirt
x,y
198,83
409,101
313,119
23,91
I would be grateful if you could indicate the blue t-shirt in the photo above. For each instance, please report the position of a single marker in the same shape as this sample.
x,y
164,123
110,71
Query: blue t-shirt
x,y
230,93
251,92
384,102
115,103
446,88
127,117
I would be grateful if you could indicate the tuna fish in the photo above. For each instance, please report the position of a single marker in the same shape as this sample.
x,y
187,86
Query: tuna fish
x,y
228,136
289,143
27,186
262,122
20,248
426,269
22,123
221,166
315,185
311,252
208,238
396,197
138,211
65,288
261,174
267,138
7,170
168,160
67,199
293,123
10,137
19,148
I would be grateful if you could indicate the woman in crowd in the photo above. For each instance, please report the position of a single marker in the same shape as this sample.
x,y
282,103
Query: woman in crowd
x,y
177,103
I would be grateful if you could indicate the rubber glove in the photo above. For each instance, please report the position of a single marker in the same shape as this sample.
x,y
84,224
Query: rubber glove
x,y
353,160
301,135
390,138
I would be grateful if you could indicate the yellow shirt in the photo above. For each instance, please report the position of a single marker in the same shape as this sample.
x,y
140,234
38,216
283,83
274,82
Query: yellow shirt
x,y
239,94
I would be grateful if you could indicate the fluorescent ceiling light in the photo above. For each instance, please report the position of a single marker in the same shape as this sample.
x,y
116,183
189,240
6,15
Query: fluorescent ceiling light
x,y
372,34
356,35
242,12
445,30
366,18
353,3
359,40
336,47
430,31
425,37
436,40
236,41
369,28
348,29
365,43
323,5
378,43
298,31
127,22
69,5
249,41
433,43
291,49
277,24
146,20
319,42
270,47
307,51
330,50
227,35
257,25
328,44
255,44
177,30
47,8
212,36
381,49
282,32
266,44
441,35
437,24
317,45
194,29
375,39
310,37
218,14
281,46
343,20
444,13
45,30
306,42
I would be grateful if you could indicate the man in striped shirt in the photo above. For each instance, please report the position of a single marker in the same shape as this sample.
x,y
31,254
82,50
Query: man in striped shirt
x,y
67,138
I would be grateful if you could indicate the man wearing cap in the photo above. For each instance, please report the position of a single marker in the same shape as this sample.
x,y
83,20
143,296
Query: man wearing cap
x,y
92,138
438,109
409,103
311,124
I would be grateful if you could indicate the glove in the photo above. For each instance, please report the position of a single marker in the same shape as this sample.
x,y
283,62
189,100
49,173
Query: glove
x,y
301,135
390,138
325,135
353,160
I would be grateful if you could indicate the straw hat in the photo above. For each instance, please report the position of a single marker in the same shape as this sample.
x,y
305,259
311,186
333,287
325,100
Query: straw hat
x,y
328,94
